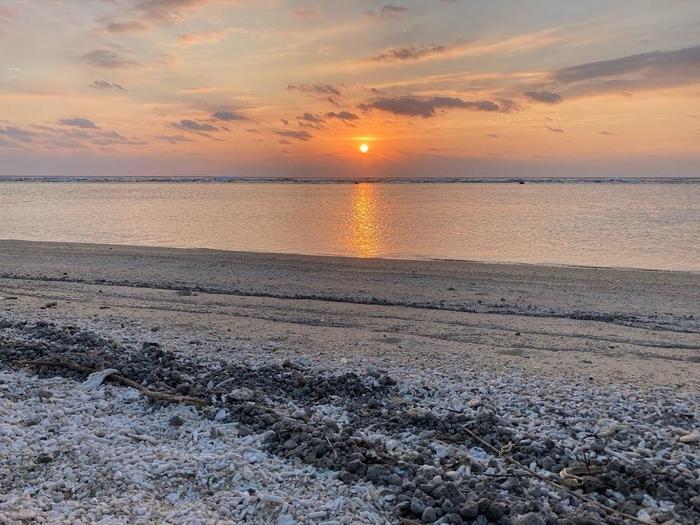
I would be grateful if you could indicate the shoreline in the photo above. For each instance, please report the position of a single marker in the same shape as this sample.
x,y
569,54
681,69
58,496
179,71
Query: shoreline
x,y
350,180
342,389
340,258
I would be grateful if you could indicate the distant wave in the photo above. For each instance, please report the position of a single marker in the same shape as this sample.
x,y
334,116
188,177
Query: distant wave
x,y
376,180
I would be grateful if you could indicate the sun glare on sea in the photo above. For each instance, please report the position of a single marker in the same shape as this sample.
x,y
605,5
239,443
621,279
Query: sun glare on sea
x,y
364,148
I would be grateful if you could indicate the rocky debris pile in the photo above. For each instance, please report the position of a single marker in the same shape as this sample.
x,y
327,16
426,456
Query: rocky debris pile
x,y
422,450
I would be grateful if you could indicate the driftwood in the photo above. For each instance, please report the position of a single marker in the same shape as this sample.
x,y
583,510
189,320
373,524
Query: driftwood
x,y
152,394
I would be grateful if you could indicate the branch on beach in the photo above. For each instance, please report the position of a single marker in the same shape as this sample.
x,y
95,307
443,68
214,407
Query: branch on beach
x,y
561,486
117,378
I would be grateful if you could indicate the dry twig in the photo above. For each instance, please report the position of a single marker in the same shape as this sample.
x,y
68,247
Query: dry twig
x,y
157,396
556,484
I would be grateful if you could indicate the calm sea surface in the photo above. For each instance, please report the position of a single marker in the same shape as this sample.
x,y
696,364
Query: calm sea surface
x,y
633,225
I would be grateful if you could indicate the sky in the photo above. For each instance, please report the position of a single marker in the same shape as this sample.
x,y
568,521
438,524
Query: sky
x,y
292,88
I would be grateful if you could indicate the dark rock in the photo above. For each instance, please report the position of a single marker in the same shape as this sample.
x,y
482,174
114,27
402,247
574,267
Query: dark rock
x,y
377,473
493,511
469,511
44,458
176,421
529,519
417,507
429,515
695,502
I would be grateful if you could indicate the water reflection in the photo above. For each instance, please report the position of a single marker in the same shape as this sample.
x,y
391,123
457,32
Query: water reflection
x,y
363,231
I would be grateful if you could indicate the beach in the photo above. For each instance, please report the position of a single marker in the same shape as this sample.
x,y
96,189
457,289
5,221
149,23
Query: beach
x,y
315,390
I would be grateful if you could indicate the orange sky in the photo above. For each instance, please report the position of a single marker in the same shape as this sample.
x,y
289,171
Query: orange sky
x,y
291,87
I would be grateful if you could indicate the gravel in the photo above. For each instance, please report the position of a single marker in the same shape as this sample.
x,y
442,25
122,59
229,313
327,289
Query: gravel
x,y
294,442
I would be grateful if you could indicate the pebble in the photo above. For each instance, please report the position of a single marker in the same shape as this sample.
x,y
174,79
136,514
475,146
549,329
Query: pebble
x,y
429,515
333,445
529,519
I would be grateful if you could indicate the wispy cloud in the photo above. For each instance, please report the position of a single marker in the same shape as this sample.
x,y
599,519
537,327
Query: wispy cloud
x,y
515,44
546,97
194,125
127,26
297,135
103,84
389,11
16,133
6,16
228,116
174,139
106,58
141,15
342,115
647,63
322,89
78,122
401,54
426,107
308,117
73,133
203,37
654,70
305,12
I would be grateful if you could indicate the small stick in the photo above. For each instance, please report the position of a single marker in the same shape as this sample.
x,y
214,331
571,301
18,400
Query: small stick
x,y
158,396
554,483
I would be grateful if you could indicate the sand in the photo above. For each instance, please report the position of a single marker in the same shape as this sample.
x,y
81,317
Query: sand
x,y
611,324
527,330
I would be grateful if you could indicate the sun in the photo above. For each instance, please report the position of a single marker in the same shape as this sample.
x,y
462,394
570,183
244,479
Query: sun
x,y
364,148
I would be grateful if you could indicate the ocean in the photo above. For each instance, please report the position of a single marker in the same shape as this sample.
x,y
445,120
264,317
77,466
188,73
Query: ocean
x,y
637,224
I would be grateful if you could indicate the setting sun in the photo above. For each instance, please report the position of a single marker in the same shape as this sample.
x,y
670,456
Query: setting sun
x,y
364,148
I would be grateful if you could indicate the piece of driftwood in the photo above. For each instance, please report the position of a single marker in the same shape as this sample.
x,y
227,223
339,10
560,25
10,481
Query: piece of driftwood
x,y
117,378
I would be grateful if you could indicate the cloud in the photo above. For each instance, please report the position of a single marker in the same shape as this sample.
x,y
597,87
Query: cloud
x,y
193,125
305,12
426,107
106,58
654,70
605,132
461,48
228,116
103,84
16,133
128,26
75,133
204,37
644,63
546,97
78,122
308,117
146,13
343,115
409,53
389,11
110,138
554,130
322,89
6,15
297,135
174,139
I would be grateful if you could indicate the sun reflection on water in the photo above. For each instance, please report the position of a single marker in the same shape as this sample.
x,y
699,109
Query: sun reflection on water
x,y
363,232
